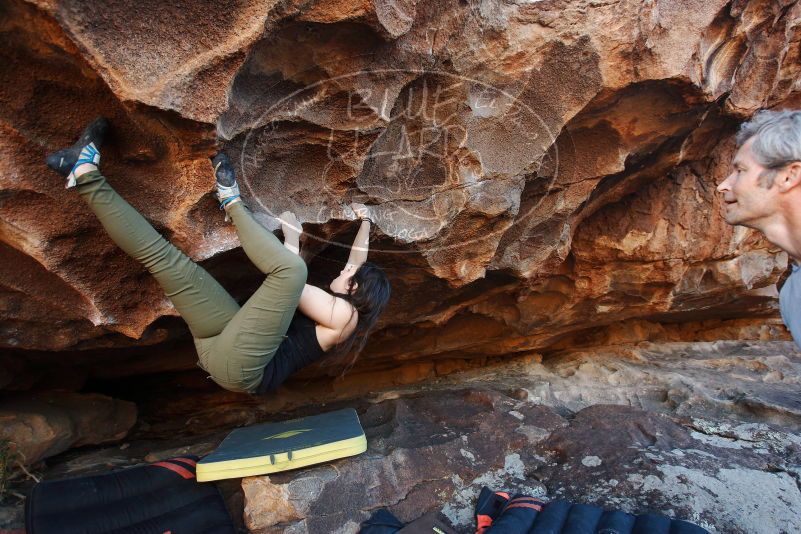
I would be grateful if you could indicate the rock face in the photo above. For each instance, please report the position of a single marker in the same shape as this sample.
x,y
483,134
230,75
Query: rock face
x,y
547,432
644,462
686,429
542,179
45,424
535,169
691,430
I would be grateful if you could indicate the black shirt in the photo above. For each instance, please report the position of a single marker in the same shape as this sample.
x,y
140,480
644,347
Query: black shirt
x,y
298,349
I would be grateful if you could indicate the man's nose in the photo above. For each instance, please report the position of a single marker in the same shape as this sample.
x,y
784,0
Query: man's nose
x,y
724,185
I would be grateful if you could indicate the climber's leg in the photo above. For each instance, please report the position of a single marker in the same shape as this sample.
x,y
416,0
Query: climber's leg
x,y
203,303
200,300
249,341
247,344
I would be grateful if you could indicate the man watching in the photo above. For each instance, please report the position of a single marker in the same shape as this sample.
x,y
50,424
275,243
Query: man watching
x,y
763,192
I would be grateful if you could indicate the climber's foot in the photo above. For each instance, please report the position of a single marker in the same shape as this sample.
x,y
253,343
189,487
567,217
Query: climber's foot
x,y
82,156
227,188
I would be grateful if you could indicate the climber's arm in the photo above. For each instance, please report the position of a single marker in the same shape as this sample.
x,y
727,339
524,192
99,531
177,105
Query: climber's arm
x,y
325,309
361,243
292,229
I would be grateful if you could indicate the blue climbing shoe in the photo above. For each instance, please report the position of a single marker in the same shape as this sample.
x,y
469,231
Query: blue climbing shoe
x,y
227,188
85,150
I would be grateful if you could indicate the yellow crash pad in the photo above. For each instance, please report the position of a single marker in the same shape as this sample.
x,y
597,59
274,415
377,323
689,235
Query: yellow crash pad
x,y
272,447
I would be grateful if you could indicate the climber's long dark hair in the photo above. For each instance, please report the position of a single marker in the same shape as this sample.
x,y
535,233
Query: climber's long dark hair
x,y
369,299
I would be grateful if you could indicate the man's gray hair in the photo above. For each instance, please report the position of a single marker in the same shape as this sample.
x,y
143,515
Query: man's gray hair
x,y
778,137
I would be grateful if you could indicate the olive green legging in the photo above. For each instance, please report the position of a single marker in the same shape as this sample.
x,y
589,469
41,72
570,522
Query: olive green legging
x,y
234,344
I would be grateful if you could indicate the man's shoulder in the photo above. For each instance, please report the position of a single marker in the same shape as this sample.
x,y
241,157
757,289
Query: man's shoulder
x,y
795,276
790,302
791,283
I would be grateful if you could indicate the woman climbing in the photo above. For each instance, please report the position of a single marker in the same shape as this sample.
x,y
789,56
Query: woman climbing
x,y
285,325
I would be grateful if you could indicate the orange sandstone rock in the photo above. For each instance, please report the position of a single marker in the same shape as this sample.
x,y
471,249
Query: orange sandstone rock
x,y
536,169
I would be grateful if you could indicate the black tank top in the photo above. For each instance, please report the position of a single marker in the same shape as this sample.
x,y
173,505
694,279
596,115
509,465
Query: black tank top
x,y
298,349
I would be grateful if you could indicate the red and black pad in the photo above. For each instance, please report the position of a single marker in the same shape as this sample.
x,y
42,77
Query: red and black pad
x,y
159,498
518,515
496,513
488,508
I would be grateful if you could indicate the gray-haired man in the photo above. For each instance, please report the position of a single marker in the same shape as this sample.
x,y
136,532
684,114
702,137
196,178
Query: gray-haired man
x,y
763,192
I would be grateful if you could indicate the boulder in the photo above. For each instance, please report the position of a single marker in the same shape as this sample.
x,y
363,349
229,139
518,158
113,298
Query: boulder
x,y
47,423
535,169
692,431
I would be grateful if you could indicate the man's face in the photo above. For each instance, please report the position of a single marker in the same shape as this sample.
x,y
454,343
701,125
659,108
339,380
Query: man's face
x,y
747,199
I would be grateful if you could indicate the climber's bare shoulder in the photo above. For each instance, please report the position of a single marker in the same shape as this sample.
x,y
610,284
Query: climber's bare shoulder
x,y
335,317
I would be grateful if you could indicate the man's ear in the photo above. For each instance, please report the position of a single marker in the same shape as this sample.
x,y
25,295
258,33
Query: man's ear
x,y
791,177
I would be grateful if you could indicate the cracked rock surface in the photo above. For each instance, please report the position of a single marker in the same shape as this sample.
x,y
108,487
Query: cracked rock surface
x,y
685,432
542,179
709,432
45,424
535,169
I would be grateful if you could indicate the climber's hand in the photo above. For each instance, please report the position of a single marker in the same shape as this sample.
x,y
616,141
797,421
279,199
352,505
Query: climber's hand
x,y
360,210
